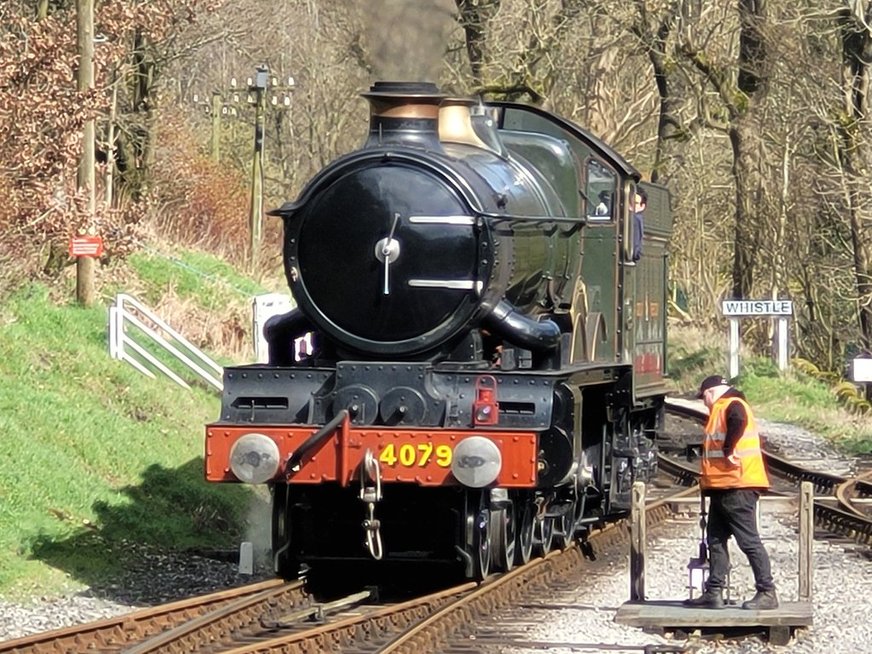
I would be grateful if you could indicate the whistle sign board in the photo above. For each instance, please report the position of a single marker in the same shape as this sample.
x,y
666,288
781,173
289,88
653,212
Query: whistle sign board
x,y
780,310
86,246
757,307
861,371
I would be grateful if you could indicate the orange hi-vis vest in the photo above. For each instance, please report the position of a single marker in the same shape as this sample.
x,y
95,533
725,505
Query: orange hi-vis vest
x,y
719,472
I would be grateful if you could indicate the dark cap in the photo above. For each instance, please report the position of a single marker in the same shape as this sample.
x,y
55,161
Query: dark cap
x,y
642,193
711,382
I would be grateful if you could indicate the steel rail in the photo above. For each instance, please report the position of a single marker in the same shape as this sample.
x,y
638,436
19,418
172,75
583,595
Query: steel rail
x,y
395,627
855,487
114,633
372,622
500,591
194,634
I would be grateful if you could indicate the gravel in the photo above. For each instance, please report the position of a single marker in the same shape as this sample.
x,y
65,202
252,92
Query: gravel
x,y
841,584
806,448
842,579
155,578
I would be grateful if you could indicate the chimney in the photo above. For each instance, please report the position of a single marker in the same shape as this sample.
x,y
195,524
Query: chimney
x,y
404,113
465,120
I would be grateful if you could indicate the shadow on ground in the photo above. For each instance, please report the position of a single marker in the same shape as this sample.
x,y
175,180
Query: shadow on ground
x,y
158,545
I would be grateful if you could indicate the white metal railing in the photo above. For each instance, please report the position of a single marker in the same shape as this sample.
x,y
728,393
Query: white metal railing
x,y
128,311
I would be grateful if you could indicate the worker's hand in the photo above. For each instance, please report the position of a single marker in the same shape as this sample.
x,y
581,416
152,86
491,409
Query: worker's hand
x,y
732,458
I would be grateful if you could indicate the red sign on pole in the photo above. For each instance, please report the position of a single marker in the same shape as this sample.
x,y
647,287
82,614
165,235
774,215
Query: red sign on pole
x,y
86,246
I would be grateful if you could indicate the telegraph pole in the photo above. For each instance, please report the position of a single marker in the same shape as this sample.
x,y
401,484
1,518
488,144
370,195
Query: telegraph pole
x,y
85,179
262,90
215,143
255,223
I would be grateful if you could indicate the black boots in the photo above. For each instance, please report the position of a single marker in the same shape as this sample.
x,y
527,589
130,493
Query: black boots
x,y
764,600
712,598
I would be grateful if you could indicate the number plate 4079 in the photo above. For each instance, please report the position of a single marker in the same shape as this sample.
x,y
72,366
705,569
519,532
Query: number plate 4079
x,y
411,456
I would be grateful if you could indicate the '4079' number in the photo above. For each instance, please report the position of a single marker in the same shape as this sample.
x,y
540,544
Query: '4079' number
x,y
408,455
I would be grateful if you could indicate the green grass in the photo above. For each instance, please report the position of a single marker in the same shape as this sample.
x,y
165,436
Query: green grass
x,y
94,454
197,276
799,399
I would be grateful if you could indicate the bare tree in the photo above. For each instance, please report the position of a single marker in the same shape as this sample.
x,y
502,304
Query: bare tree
x,y
855,149
739,84
511,45
654,31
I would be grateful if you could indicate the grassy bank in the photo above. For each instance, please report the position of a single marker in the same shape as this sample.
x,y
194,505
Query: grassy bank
x,y
96,456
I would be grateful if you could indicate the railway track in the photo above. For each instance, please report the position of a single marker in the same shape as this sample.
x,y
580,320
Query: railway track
x,y
852,491
114,634
276,616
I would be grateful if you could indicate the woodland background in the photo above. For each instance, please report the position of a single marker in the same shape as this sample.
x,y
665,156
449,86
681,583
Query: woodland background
x,y
754,113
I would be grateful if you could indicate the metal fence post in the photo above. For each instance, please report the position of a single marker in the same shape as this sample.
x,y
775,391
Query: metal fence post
x,y
637,543
806,540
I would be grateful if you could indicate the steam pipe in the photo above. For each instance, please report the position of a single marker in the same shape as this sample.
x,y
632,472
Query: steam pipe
x,y
521,330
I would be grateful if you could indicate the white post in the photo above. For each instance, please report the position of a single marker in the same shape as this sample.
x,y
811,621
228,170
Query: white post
x,y
782,343
638,539
246,558
734,348
265,307
806,540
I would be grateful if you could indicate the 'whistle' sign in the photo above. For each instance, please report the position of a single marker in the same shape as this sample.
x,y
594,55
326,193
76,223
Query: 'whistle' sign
x,y
757,307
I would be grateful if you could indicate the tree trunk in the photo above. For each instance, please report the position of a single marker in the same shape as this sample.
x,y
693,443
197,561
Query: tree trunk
x,y
655,39
861,234
746,178
743,132
856,151
144,128
668,126
474,15
740,99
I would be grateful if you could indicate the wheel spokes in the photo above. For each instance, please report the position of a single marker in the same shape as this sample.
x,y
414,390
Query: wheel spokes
x,y
525,536
504,526
482,537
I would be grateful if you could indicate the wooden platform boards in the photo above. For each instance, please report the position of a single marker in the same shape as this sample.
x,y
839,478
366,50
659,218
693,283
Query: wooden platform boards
x,y
670,615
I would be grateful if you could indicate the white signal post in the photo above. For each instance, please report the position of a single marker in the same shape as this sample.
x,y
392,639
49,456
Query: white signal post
x,y
781,310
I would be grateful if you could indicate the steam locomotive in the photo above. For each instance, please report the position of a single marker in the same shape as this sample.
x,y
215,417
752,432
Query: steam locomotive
x,y
487,372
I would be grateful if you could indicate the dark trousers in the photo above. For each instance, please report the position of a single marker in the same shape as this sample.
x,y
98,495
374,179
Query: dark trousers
x,y
733,512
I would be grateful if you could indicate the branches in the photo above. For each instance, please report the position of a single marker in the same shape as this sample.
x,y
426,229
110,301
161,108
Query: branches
x,y
735,101
43,114
513,90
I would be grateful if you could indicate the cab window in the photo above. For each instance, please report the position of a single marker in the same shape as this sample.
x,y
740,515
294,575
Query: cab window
x,y
600,192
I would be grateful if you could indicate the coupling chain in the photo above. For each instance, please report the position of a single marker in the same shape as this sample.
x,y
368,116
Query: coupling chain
x,y
371,493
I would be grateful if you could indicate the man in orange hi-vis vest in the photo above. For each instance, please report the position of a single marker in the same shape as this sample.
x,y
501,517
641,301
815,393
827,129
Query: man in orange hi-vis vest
x,y
732,476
